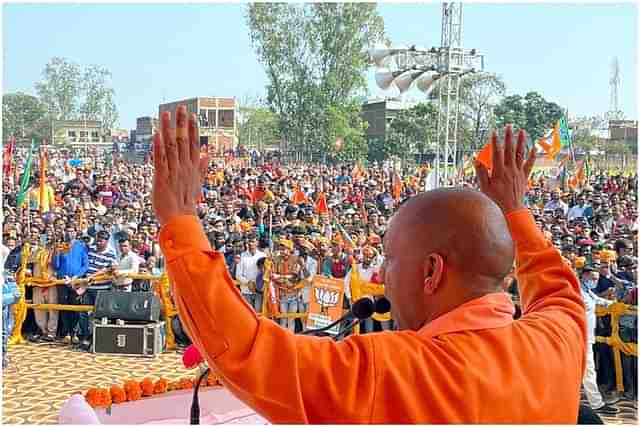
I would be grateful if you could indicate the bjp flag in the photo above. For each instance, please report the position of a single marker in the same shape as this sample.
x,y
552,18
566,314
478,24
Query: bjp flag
x,y
326,303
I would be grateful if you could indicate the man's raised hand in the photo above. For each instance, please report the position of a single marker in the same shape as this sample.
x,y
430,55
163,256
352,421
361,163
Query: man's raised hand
x,y
507,182
176,159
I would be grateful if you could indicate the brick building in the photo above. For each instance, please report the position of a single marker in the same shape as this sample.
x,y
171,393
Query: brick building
x,y
217,120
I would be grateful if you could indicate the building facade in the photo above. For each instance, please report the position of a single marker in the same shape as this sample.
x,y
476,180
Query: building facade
x,y
217,121
145,128
78,133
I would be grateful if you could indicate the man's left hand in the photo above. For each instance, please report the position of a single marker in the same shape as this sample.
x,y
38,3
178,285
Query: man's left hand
x,y
176,159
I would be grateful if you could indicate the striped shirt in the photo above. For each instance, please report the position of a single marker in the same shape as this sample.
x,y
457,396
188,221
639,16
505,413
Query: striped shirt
x,y
98,261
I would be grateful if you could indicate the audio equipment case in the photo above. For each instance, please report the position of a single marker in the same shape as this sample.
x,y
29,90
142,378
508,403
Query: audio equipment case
x,y
129,339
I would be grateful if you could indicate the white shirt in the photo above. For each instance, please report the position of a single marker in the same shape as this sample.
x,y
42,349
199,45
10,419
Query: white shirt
x,y
129,264
556,204
590,302
311,265
248,269
576,211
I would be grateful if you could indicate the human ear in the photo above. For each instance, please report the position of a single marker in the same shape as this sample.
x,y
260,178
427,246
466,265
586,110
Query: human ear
x,y
433,272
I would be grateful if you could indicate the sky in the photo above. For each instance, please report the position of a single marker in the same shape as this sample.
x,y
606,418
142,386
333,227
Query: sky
x,y
167,52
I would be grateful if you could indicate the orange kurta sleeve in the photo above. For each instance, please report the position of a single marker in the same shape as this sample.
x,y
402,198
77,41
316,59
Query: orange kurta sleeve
x,y
282,376
546,283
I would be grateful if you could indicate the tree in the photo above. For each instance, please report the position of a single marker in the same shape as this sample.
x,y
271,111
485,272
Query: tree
x,y
22,116
346,132
258,127
315,59
479,95
69,92
533,113
98,103
60,88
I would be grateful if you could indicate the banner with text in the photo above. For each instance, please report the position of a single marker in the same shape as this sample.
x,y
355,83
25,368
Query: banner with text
x,y
326,303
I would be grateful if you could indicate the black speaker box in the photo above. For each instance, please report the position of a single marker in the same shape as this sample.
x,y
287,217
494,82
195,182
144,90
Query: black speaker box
x,y
128,306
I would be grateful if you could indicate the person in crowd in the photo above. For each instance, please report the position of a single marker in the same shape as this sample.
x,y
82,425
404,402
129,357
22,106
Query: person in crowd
x,y
70,262
588,283
102,262
247,272
129,264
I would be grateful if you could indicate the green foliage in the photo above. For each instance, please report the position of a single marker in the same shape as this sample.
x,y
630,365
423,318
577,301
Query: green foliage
x,y
412,131
315,59
23,116
533,113
346,124
259,127
98,96
69,92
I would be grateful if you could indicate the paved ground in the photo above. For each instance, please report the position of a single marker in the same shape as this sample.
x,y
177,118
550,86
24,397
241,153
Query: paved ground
x,y
42,376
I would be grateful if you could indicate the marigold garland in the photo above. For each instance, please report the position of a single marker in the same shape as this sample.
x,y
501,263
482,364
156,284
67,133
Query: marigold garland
x,y
134,390
161,386
118,394
147,387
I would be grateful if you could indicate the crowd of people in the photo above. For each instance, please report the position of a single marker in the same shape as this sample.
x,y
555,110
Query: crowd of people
x,y
95,218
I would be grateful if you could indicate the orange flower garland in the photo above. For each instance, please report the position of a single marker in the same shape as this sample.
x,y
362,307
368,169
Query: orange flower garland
x,y
161,386
133,390
185,384
98,397
118,394
147,387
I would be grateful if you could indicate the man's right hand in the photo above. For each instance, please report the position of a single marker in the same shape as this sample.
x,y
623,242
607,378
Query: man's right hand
x,y
507,182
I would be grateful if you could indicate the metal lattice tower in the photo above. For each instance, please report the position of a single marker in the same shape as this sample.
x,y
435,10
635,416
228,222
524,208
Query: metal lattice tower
x,y
452,61
614,112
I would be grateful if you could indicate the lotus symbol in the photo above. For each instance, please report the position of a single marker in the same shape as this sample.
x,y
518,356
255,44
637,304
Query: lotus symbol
x,y
326,297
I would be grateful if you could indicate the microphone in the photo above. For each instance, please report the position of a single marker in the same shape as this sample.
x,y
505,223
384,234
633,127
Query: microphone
x,y
361,309
381,306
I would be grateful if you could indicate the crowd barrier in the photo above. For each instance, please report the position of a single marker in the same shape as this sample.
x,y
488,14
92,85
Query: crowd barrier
x,y
614,341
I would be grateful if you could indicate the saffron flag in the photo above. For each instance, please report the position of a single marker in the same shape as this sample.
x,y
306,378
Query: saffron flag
x,y
485,156
321,205
26,177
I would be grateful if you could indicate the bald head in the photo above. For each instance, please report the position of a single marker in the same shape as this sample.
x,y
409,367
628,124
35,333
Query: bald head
x,y
442,249
464,226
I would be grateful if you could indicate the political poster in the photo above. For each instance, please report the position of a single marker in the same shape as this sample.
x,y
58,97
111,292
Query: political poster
x,y
326,303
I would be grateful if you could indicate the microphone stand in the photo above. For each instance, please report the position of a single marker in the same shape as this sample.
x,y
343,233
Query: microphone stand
x,y
195,405
343,333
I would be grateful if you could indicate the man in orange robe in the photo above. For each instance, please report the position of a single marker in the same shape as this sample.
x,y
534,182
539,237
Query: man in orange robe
x,y
459,357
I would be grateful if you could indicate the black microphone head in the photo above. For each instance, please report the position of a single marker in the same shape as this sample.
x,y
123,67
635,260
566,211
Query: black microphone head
x,y
382,306
363,308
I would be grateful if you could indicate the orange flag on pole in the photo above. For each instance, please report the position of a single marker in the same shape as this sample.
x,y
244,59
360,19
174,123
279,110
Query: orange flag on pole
x,y
397,186
485,156
321,205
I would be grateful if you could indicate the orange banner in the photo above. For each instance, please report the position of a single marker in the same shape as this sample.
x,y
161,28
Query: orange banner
x,y
326,303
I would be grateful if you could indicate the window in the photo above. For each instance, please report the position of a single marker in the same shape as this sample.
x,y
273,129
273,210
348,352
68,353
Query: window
x,y
94,134
225,118
204,120
84,134
72,135
212,118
